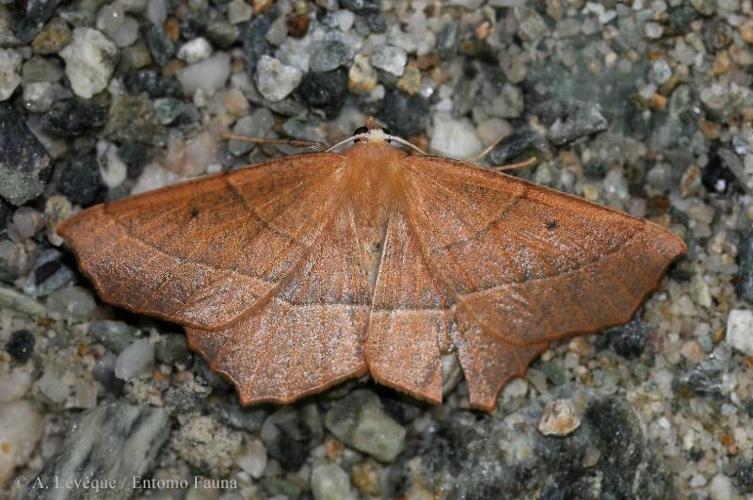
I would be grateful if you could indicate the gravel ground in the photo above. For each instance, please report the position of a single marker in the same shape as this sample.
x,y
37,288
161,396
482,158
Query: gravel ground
x,y
642,105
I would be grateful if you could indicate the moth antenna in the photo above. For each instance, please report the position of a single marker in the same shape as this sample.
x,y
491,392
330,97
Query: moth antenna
x,y
488,149
296,143
519,165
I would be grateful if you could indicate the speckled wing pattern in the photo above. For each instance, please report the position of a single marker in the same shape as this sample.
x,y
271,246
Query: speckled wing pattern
x,y
264,268
524,265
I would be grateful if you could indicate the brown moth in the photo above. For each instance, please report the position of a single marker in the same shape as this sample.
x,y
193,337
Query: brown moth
x,y
295,274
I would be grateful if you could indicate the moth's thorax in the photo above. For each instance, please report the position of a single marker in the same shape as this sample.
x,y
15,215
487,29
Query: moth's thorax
x,y
374,180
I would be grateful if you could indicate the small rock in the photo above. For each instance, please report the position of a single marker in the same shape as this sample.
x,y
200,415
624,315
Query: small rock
x,y
81,181
54,385
48,274
558,418
390,59
20,346
330,482
72,301
14,385
274,80
208,75
87,455
120,28
454,138
720,488
361,6
114,335
195,50
54,36
10,64
42,69
508,104
703,380
153,83
23,159
740,330
239,11
39,96
74,117
582,119
405,115
745,272
133,119
628,340
326,91
22,427
330,55
254,41
362,78
653,30
89,61
448,38
172,349
160,45
359,420
32,16
253,459
518,142
530,24
744,477
156,11
290,435
206,444
257,124
135,360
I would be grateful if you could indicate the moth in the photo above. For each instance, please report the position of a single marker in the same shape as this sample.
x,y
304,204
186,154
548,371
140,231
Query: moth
x,y
295,274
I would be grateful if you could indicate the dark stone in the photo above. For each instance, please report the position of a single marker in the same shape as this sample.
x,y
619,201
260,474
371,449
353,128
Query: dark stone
x,y
299,430
330,55
36,13
627,340
745,260
703,380
325,91
219,384
172,349
749,408
127,441
160,46
23,159
522,140
114,335
81,181
596,170
376,23
104,373
405,115
21,345
193,26
133,119
241,417
222,34
74,117
153,83
6,211
361,6
134,155
49,274
744,477
277,487
254,41
715,176
579,119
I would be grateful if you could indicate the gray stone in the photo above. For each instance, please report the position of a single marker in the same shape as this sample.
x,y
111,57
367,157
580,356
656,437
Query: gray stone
x,y
172,348
114,335
330,55
137,359
89,61
359,420
21,428
390,59
257,124
331,482
10,64
73,301
581,120
109,443
290,434
35,14
274,80
745,272
22,158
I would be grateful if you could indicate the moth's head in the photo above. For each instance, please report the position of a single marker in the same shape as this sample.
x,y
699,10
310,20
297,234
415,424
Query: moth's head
x,y
372,134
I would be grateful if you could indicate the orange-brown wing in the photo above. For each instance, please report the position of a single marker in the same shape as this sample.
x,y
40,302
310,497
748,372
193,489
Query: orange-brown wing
x,y
410,317
203,252
526,265
307,336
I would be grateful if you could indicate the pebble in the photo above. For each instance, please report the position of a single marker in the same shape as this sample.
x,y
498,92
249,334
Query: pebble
x,y
254,40
559,418
515,144
239,11
73,301
274,80
359,420
74,117
39,96
119,27
745,271
390,59
508,104
14,385
133,119
32,17
720,488
582,119
206,444
22,427
172,349
740,330
156,11
89,61
454,138
209,75
330,55
361,6
404,115
53,385
331,482
160,46
325,91
290,435
81,181
137,359
23,159
195,50
362,78
10,64
253,458
20,346
114,335
257,124
136,432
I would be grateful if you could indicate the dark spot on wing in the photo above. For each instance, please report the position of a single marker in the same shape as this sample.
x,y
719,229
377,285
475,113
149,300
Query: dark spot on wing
x,y
194,212
551,225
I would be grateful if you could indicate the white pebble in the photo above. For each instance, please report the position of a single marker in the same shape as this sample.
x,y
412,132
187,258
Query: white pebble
x,y
721,488
10,63
156,11
195,50
558,418
14,385
455,138
390,59
135,360
21,429
253,460
330,482
740,330
209,75
89,61
274,80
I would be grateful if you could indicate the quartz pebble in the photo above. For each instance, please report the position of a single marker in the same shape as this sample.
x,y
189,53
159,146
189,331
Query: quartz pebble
x,y
22,427
275,80
454,138
390,59
208,75
740,330
253,459
135,360
195,50
89,61
558,418
10,64
330,482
